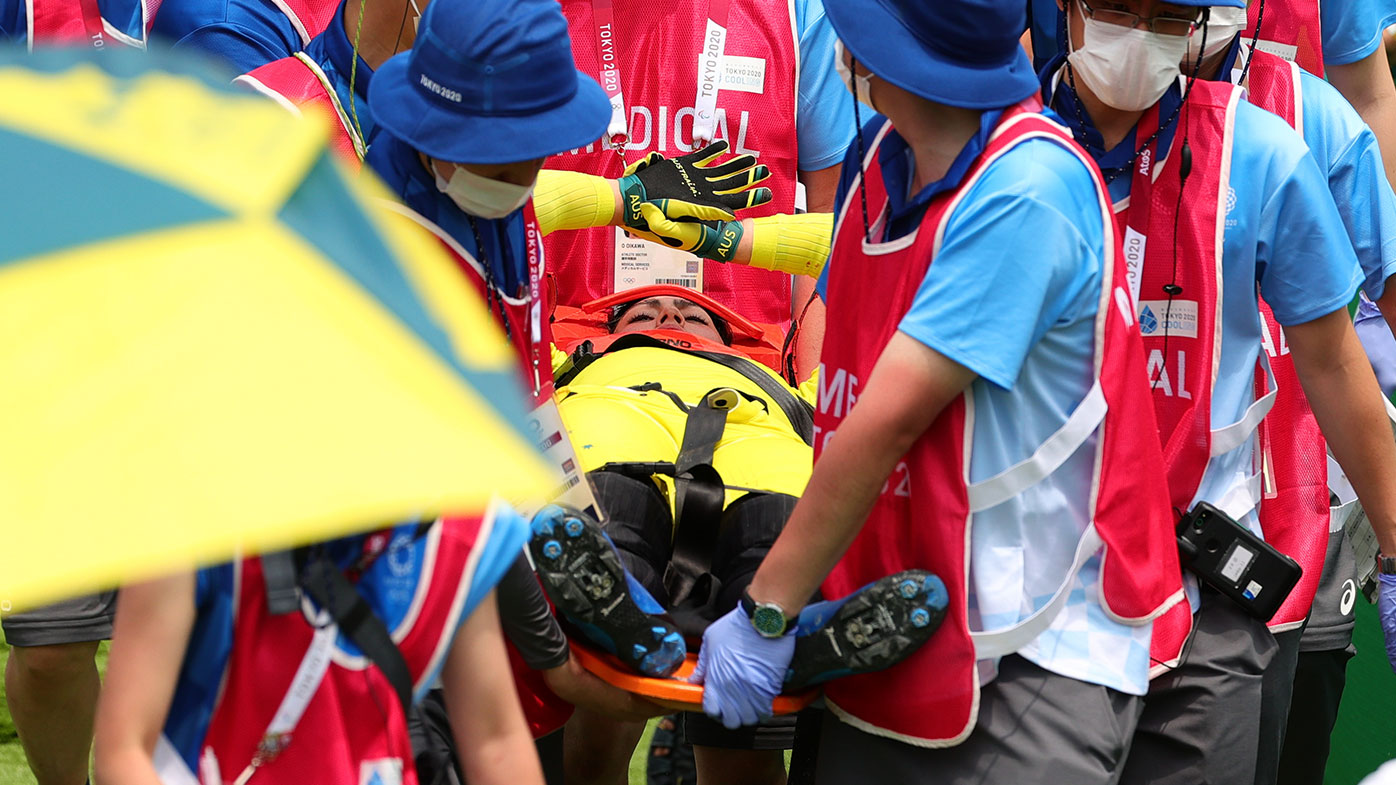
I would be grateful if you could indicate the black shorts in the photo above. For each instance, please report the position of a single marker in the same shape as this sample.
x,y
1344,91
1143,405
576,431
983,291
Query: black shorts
x,y
77,620
776,733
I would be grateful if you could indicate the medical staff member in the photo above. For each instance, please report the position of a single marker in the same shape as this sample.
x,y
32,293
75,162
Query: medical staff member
x,y
332,74
465,120
212,680
977,310
1229,170
680,73
1295,515
245,34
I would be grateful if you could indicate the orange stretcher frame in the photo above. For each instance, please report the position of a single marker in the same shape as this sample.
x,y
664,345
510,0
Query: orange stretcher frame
x,y
674,692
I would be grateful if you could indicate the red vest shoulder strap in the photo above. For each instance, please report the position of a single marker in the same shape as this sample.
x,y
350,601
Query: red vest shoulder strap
x,y
1273,85
297,81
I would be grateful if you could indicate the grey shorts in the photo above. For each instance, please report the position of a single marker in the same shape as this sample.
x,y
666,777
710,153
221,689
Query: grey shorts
x,y
77,620
1035,728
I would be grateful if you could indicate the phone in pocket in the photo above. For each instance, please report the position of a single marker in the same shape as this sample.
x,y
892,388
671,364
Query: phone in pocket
x,y
1231,559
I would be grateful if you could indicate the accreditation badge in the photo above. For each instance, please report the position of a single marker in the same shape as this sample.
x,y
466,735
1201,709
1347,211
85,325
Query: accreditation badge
x,y
574,489
643,263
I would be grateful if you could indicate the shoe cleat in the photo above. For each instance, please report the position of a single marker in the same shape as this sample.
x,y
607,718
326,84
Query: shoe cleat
x,y
582,575
542,524
876,627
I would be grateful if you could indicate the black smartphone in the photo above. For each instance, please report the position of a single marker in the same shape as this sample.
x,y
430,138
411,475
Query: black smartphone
x,y
1231,559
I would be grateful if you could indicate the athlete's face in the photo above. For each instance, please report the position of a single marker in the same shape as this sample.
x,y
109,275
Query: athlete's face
x,y
668,313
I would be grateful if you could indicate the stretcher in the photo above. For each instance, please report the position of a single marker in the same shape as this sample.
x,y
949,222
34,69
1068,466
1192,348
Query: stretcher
x,y
674,692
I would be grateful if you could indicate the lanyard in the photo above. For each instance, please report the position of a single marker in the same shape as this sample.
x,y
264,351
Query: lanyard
x,y
709,73
604,17
533,246
293,704
92,22
1135,231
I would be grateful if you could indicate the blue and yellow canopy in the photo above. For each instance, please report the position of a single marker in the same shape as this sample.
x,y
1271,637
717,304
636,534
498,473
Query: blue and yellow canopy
x,y
209,343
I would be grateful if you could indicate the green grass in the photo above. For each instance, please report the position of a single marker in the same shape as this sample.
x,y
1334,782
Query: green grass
x,y
14,770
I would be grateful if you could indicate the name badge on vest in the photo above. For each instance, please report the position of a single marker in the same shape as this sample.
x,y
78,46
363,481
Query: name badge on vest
x,y
643,263
545,425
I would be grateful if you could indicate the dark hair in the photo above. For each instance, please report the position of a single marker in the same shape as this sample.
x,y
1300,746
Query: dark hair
x,y
618,312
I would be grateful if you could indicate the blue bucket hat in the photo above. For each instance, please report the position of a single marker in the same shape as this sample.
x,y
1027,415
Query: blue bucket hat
x,y
489,82
957,52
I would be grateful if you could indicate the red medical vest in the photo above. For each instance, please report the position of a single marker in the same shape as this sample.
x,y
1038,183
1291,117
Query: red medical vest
x,y
353,725
1290,29
924,516
1294,513
1182,330
80,22
652,50
300,81
309,17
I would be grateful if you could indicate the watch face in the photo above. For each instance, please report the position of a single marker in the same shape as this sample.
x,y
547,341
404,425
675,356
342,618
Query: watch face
x,y
768,620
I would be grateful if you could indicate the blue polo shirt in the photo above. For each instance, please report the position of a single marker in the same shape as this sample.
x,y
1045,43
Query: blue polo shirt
x,y
1346,151
14,23
1284,233
824,110
243,33
501,242
1012,295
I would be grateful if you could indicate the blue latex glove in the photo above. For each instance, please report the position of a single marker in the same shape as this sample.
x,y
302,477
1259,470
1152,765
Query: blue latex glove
x,y
741,672
1386,611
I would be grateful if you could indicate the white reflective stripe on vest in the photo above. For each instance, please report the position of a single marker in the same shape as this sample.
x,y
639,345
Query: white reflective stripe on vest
x,y
1229,437
307,680
169,767
1049,457
998,643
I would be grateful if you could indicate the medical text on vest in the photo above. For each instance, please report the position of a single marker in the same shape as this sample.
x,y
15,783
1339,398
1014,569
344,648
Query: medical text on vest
x,y
1160,379
670,131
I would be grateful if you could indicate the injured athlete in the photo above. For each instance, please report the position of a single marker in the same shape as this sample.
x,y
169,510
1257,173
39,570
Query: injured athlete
x,y
696,454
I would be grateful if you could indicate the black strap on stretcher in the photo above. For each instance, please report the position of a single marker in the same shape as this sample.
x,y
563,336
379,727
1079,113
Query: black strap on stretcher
x,y
797,411
699,490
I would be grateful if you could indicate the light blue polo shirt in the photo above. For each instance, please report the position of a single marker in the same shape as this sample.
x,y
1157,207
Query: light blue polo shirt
x,y
1012,296
1352,28
1346,150
824,108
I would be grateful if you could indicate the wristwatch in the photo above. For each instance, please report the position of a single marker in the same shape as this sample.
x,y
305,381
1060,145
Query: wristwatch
x,y
1386,565
769,619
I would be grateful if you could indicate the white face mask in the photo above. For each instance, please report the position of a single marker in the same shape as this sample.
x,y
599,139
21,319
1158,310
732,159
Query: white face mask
x,y
1127,68
858,84
481,196
1223,24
